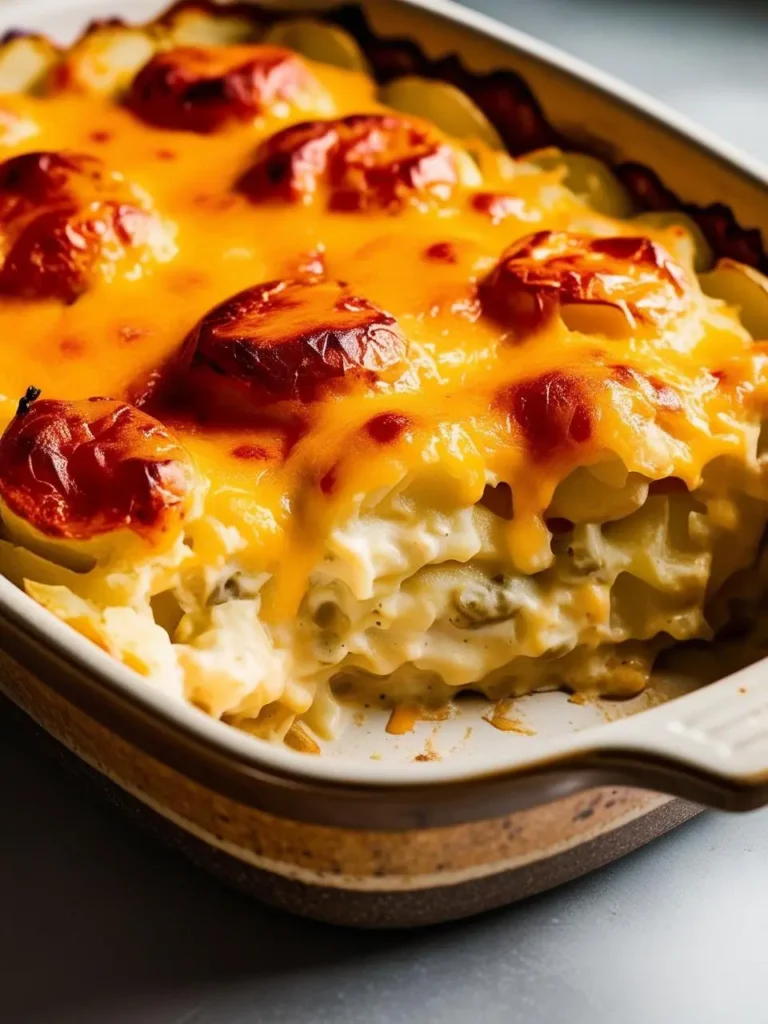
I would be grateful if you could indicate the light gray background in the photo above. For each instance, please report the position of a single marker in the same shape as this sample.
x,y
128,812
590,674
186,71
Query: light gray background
x,y
100,926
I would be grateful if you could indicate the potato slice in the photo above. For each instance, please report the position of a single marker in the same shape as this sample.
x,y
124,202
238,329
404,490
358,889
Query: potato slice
x,y
26,62
105,59
588,178
324,43
442,104
744,288
675,224
81,615
199,26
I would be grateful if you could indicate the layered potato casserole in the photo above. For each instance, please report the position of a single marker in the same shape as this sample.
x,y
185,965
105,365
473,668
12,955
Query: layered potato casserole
x,y
312,393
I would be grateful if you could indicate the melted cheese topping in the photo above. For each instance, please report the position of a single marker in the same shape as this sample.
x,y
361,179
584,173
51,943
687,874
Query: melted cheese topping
x,y
122,330
477,405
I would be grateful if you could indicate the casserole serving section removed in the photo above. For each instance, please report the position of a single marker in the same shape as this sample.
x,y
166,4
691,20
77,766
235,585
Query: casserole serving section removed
x,y
326,402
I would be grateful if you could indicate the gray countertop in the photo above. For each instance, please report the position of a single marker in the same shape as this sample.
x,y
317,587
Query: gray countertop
x,y
100,926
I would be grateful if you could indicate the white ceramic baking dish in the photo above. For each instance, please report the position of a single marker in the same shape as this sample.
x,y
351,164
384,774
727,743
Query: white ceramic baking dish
x,y
455,816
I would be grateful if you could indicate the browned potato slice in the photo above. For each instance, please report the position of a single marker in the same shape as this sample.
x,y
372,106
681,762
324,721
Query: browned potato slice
x,y
324,43
442,104
612,286
743,288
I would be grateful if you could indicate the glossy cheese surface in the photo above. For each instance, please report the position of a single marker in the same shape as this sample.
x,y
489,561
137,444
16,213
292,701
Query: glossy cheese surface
x,y
408,307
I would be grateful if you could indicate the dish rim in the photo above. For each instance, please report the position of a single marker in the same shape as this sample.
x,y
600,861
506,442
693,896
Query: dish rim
x,y
531,755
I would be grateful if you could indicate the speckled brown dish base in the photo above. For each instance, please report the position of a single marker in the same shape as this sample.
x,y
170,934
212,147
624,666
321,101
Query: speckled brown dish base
x,y
365,878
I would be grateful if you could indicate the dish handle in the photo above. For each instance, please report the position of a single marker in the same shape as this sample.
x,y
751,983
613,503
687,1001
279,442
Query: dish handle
x,y
711,745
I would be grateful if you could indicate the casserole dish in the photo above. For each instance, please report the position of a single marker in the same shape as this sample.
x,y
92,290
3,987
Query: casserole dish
x,y
376,830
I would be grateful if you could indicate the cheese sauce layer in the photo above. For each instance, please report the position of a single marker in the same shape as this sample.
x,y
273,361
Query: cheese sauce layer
x,y
326,302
